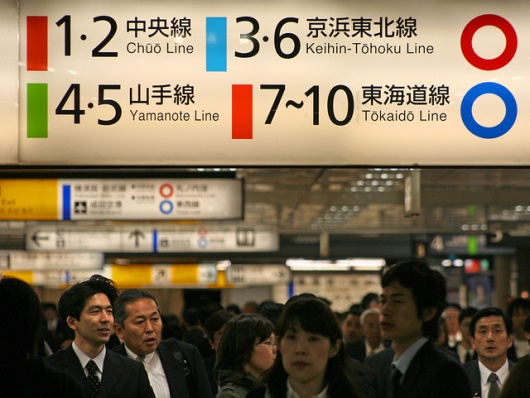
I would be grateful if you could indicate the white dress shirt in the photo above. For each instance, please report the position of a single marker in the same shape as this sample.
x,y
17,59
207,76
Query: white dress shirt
x,y
502,374
155,371
84,359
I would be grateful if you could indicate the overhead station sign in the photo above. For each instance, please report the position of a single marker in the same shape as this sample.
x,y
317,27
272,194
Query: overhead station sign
x,y
211,237
121,199
407,82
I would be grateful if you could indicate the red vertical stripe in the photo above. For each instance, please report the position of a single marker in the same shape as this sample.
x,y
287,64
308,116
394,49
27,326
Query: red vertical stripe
x,y
37,43
242,111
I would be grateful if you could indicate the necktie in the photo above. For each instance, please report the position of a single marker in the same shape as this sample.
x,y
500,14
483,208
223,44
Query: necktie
x,y
494,387
468,357
141,359
92,378
395,377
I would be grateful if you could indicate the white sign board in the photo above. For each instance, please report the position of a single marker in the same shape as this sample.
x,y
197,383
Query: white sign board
x,y
9,82
218,238
152,238
151,199
21,260
392,82
258,274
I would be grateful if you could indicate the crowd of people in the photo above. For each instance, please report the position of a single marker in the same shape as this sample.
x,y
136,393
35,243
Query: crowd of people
x,y
406,341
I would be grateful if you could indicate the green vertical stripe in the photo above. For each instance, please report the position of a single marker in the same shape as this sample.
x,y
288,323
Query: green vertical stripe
x,y
37,110
472,245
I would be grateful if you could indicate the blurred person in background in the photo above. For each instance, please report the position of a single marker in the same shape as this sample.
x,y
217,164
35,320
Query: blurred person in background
x,y
246,351
250,307
214,327
518,310
55,330
464,349
450,314
22,374
371,343
351,324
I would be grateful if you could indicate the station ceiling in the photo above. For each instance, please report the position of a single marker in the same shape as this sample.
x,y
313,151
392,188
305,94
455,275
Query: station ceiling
x,y
368,201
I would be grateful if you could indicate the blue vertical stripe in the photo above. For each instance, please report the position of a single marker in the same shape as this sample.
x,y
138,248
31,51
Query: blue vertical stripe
x,y
67,198
290,289
155,241
216,44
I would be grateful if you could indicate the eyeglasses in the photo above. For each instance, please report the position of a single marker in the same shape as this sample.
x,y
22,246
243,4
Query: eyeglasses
x,y
270,344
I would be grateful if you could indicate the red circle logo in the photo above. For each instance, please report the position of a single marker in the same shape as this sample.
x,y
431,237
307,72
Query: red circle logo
x,y
466,42
166,190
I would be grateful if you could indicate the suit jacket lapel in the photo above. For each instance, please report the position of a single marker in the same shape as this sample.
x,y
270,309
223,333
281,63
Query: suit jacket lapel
x,y
111,374
72,366
175,377
415,368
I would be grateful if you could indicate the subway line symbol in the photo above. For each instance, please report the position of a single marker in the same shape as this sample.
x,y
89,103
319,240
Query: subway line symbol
x,y
37,43
37,61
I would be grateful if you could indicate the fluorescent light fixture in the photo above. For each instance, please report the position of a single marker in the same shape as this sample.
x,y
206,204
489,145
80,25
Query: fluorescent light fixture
x,y
223,265
358,264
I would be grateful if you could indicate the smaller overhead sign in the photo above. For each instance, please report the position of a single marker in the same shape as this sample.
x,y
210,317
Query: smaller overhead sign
x,y
122,199
22,260
258,274
153,238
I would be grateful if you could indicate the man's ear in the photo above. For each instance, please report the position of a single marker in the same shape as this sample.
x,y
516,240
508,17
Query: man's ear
x,y
510,338
429,313
71,322
472,341
119,331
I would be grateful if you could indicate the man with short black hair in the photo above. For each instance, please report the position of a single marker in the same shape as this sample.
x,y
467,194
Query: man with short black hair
x,y
491,334
411,302
175,368
464,349
86,307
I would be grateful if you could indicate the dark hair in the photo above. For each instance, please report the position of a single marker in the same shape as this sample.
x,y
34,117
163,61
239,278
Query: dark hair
x,y
208,309
49,305
191,316
490,311
355,309
216,321
517,385
22,316
314,316
467,312
271,310
234,308
527,324
518,303
74,299
368,298
242,333
126,297
427,286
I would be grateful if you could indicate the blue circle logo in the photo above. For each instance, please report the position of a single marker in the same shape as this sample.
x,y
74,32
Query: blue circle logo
x,y
488,132
203,243
166,207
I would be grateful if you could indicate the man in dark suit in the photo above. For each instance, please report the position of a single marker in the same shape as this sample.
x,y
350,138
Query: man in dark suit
x,y
371,342
175,368
491,334
411,303
87,309
463,348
